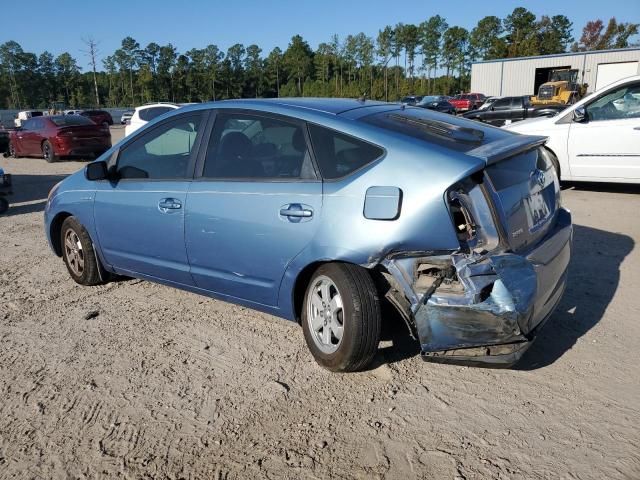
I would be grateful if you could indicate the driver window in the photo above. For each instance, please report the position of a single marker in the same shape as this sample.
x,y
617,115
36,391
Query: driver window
x,y
621,103
502,104
162,153
257,147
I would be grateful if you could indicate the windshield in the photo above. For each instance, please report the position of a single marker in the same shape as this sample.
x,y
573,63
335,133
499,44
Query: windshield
x,y
70,121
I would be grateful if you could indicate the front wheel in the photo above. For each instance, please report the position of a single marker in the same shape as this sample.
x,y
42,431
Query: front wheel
x,y
341,317
47,152
12,150
78,253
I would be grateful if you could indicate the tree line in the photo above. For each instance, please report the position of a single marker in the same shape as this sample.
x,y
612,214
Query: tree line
x,y
431,57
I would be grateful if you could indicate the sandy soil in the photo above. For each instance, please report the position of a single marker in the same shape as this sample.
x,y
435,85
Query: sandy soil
x,y
136,380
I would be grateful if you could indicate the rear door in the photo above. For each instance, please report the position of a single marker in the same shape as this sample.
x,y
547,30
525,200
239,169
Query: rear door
x,y
255,206
607,145
140,217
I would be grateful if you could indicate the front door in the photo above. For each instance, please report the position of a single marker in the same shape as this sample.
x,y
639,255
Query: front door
x,y
255,206
607,144
27,138
140,216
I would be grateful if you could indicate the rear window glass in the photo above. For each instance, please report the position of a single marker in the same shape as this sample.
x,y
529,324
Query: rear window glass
x,y
420,123
70,120
338,154
517,170
148,114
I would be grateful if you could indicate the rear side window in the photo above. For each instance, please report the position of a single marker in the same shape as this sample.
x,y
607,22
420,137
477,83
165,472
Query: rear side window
x,y
249,146
338,154
148,114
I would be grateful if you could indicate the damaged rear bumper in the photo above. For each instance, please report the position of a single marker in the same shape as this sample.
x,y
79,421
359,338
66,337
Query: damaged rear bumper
x,y
493,310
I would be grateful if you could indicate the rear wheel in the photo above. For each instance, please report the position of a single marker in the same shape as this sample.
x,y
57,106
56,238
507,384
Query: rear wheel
x,y
47,152
12,150
341,317
78,253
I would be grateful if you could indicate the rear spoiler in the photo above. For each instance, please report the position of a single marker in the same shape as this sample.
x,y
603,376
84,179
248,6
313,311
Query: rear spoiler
x,y
509,146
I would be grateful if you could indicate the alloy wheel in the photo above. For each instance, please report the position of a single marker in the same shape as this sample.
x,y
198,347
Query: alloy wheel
x,y
74,252
325,314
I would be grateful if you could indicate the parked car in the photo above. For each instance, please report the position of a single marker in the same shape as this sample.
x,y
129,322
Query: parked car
x,y
72,112
467,101
411,99
126,116
25,115
316,210
99,117
58,136
5,191
144,114
4,139
598,138
507,110
436,102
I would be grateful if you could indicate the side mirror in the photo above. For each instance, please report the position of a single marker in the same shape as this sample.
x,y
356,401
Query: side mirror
x,y
579,115
493,109
96,171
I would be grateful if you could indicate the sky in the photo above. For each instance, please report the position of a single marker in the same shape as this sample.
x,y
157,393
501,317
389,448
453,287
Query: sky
x,y
61,25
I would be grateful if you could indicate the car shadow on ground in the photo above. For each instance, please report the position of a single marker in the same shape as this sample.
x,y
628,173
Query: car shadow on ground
x,y
30,193
594,275
629,188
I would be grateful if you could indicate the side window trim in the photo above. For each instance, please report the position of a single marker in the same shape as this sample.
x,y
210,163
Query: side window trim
x,y
195,152
215,113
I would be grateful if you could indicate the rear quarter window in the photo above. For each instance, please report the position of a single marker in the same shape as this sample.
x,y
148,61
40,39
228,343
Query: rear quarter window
x,y
339,155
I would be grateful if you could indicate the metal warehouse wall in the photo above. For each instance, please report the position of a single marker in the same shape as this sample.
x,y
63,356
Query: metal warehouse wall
x,y
517,77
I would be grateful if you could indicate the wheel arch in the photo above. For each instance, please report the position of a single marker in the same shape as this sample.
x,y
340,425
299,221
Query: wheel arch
x,y
302,282
55,230
557,161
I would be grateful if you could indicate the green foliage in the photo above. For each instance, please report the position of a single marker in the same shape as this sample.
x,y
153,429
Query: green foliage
x,y
429,57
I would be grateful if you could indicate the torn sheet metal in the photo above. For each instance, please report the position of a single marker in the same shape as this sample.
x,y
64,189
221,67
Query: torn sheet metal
x,y
446,322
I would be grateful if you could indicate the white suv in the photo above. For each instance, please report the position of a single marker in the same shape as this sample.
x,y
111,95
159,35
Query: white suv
x,y
145,114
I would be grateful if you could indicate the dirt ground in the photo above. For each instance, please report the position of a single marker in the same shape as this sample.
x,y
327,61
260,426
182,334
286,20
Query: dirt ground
x,y
136,380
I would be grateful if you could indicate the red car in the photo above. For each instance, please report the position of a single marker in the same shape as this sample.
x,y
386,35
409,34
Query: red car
x,y
467,101
59,136
99,117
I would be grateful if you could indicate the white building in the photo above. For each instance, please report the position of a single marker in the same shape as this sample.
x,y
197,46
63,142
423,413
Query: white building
x,y
523,76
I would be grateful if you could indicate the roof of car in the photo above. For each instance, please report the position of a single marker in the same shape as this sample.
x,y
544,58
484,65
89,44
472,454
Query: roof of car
x,y
334,106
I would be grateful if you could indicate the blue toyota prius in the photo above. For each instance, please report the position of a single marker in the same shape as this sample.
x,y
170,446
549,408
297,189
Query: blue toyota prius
x,y
321,210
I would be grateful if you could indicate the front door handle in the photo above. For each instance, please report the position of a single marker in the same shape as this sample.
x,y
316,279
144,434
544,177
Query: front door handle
x,y
167,204
296,212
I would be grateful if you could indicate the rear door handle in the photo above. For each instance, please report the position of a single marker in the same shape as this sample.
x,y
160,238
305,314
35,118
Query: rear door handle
x,y
167,204
296,212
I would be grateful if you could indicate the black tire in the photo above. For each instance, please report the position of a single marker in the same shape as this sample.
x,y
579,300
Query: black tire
x,y
90,273
361,318
48,153
4,205
554,162
12,151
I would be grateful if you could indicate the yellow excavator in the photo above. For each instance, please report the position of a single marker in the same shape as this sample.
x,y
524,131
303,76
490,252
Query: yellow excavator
x,y
561,89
